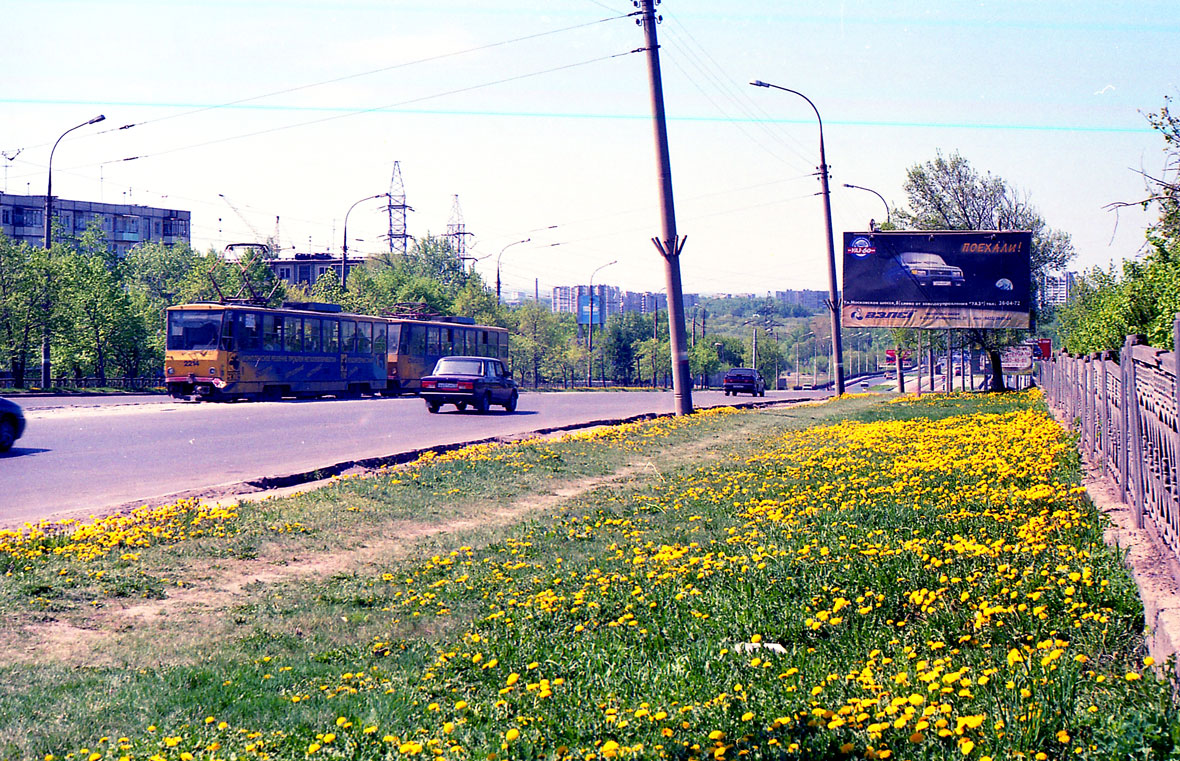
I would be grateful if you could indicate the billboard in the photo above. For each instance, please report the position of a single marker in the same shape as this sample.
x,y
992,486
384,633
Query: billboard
x,y
584,310
937,279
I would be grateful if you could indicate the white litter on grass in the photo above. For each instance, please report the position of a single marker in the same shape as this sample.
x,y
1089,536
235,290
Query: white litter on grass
x,y
749,647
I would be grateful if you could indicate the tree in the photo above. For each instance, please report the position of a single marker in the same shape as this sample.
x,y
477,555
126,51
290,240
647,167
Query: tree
x,y
619,344
102,325
538,339
153,275
949,194
1144,297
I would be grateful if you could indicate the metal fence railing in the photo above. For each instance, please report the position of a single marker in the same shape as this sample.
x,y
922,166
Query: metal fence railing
x,y
1125,413
139,383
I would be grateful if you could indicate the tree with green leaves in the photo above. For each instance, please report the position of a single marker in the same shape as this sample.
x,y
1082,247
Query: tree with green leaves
x,y
20,304
1143,296
949,194
538,339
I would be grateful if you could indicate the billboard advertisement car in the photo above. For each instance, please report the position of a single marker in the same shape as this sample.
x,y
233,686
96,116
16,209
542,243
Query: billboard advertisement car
x,y
937,279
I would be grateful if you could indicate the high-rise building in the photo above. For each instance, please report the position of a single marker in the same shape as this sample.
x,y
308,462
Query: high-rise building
x,y
22,218
608,300
1058,287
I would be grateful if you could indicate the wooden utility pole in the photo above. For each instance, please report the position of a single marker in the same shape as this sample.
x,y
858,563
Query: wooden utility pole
x,y
671,244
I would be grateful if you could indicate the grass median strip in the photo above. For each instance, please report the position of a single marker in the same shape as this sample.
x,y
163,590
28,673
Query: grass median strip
x,y
921,579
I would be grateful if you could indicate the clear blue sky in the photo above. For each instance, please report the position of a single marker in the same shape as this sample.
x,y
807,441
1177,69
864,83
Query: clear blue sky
x,y
537,114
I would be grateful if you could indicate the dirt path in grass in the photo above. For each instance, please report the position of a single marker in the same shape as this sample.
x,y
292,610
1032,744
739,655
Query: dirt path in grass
x,y
201,613
190,614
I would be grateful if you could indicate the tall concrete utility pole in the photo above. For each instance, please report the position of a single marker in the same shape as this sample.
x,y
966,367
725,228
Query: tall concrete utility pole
x,y
672,244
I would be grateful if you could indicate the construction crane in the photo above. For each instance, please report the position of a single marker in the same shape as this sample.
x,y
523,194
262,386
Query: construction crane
x,y
257,236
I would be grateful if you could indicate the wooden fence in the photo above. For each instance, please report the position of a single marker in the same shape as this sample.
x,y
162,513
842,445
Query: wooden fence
x,y
1125,413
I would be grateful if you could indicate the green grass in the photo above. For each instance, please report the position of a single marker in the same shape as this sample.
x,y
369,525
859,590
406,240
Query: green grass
x,y
617,576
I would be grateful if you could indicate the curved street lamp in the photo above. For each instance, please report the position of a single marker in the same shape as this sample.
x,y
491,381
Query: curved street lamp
x,y
590,327
833,297
878,195
510,245
344,256
46,305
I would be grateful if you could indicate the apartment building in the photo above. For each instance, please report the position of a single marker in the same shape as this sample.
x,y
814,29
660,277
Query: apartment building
x,y
22,218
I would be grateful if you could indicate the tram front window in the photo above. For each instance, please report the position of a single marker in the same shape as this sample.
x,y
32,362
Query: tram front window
x,y
193,330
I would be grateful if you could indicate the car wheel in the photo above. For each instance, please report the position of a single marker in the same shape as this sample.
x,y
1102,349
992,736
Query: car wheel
x,y
482,403
461,406
432,406
7,434
510,405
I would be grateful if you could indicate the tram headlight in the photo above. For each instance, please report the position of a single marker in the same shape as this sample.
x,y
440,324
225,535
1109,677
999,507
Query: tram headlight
x,y
213,372
170,370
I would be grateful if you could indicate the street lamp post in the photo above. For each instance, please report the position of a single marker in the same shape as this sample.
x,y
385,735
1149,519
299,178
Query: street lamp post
x,y
510,245
833,297
590,328
878,195
46,370
798,369
344,256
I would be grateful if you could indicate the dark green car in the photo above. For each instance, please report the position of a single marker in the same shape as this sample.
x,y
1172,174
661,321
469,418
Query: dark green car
x,y
478,382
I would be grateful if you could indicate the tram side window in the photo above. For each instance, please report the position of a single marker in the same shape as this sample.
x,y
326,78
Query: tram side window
x,y
311,336
483,343
415,339
364,338
249,330
292,334
379,344
395,336
431,340
347,336
503,354
271,339
331,336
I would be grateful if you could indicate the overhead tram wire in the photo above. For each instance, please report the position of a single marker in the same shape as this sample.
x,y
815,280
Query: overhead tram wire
x,y
345,78
728,84
758,121
374,109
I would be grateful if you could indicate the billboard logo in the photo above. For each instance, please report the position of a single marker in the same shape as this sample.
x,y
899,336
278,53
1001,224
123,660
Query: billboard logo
x,y
860,247
858,315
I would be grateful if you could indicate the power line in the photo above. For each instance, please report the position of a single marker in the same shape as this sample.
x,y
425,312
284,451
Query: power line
x,y
371,72
374,109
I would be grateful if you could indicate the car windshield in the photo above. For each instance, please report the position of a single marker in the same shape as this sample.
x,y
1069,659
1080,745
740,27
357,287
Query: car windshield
x,y
453,366
917,257
194,330
740,374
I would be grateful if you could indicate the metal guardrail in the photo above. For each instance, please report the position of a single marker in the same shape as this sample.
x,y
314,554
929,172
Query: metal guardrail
x,y
1126,416
156,381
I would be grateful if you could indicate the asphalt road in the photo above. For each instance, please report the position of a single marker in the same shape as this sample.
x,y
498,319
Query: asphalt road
x,y
89,455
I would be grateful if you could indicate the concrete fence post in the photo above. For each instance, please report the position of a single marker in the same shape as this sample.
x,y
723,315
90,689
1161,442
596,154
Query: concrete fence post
x,y
1103,411
1122,459
1135,468
1088,403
